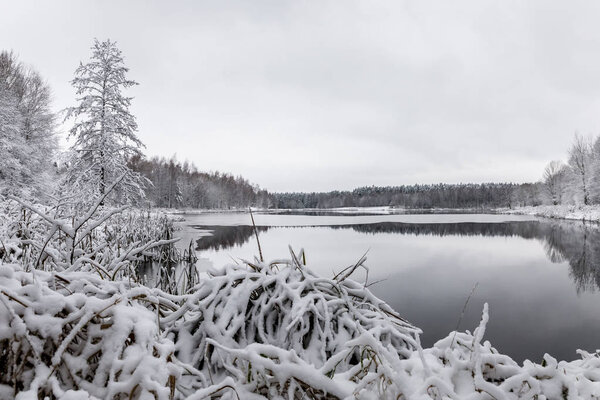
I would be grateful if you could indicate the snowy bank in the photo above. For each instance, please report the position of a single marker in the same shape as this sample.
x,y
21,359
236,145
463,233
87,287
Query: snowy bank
x,y
254,331
573,212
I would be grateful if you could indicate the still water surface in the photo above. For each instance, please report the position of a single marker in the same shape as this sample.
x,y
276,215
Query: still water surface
x,y
540,277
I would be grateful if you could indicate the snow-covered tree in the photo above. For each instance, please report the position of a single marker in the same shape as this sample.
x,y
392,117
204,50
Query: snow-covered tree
x,y
104,129
554,181
28,135
12,146
580,160
595,178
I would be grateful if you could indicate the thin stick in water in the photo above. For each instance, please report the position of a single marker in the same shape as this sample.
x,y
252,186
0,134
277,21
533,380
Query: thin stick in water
x,y
462,314
256,234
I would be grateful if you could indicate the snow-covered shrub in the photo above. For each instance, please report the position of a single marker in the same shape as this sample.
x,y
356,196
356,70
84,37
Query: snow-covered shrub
x,y
108,241
18,226
260,329
66,334
281,330
254,331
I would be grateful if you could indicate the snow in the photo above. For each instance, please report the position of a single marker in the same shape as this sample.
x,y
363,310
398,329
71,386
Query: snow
x,y
262,330
252,331
573,212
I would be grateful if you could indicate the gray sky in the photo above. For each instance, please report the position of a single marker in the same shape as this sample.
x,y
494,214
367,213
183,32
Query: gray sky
x,y
322,95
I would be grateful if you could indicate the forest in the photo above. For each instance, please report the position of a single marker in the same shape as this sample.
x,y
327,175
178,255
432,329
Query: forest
x,y
460,196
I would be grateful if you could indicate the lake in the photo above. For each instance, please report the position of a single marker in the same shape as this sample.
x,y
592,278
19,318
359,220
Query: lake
x,y
540,277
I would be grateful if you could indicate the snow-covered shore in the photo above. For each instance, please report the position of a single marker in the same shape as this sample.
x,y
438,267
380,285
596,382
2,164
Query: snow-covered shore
x,y
571,212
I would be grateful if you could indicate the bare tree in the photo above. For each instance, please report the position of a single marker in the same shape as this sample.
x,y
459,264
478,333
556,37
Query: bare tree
x,y
554,176
595,178
34,143
580,159
12,146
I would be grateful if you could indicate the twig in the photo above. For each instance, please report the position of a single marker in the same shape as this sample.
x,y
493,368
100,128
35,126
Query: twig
x,y
256,234
463,313
352,268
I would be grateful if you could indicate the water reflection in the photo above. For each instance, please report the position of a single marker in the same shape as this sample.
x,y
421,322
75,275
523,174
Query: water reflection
x,y
574,242
225,237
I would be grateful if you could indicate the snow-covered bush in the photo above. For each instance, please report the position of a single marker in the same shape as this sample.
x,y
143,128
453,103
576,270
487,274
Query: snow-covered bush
x,y
275,330
111,242
252,331
278,329
74,334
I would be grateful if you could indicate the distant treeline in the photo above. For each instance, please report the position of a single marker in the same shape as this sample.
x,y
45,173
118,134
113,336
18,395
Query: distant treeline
x,y
484,195
181,185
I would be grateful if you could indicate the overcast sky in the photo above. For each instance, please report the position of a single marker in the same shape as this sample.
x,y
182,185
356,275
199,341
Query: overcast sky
x,y
320,95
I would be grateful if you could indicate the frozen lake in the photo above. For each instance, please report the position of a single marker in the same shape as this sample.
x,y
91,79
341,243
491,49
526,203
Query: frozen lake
x,y
540,277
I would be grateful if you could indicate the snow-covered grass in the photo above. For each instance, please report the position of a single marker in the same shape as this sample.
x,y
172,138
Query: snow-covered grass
x,y
109,241
563,211
253,331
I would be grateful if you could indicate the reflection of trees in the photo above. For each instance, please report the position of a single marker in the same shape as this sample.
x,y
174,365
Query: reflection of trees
x,y
525,229
553,244
581,247
570,241
225,237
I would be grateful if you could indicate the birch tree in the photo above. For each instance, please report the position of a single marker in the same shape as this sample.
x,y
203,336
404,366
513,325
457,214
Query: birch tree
x,y
104,129
580,158
553,179
595,179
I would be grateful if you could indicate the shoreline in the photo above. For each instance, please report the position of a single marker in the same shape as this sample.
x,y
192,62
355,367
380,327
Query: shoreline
x,y
565,212
375,210
590,213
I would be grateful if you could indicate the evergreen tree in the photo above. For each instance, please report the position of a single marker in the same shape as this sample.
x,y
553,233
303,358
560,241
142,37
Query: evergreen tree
x,y
104,128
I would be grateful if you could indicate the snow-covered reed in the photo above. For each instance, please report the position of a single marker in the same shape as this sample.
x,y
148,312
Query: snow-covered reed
x,y
74,335
280,330
111,242
270,329
252,331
